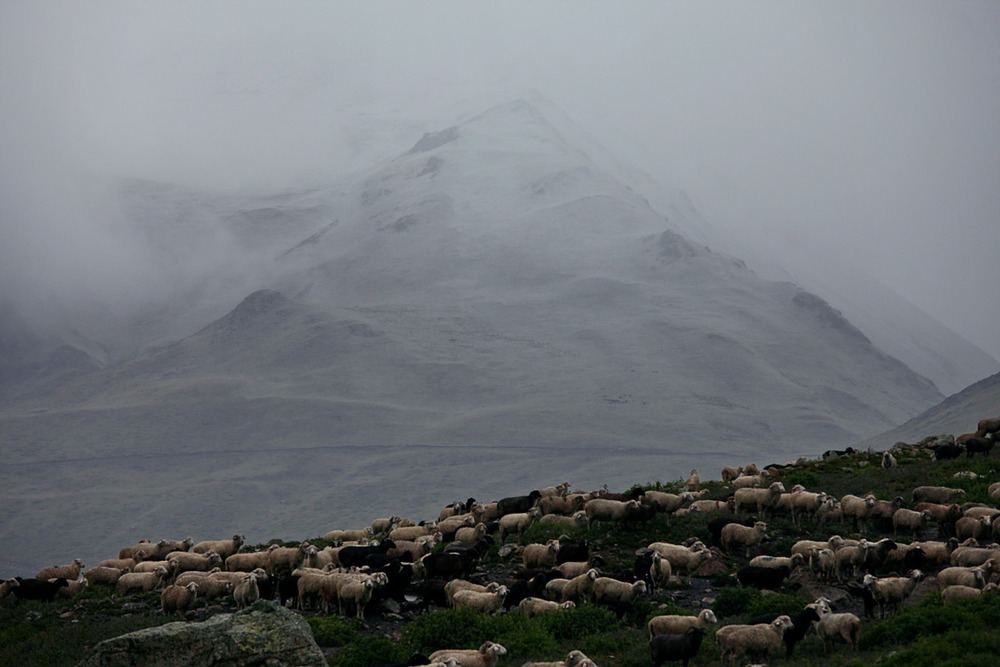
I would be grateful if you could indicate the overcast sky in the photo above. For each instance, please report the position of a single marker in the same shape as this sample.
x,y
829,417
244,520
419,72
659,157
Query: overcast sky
x,y
870,129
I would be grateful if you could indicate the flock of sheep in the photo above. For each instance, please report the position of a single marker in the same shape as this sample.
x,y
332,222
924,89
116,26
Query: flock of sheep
x,y
392,562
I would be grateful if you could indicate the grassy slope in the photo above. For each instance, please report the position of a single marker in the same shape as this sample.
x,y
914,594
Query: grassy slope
x,y
924,633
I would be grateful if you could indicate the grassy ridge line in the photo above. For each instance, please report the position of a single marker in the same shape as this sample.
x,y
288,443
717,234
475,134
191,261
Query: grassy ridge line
x,y
59,633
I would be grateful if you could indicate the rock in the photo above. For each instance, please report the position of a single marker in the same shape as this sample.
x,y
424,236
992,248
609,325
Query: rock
x,y
263,635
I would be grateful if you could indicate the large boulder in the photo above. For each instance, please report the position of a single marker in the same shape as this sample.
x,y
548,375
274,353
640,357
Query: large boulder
x,y
262,635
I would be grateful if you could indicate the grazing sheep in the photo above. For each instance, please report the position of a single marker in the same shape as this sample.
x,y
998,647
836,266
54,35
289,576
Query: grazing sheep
x,y
470,534
746,481
455,585
225,548
104,575
937,494
611,511
804,547
349,535
672,648
151,565
972,556
516,523
248,562
617,594
756,500
791,562
573,659
578,589
186,561
411,533
665,502
974,577
957,592
536,556
178,598
69,572
675,624
72,588
993,491
693,482
844,628
485,656
734,534
576,520
684,558
757,640
532,606
944,515
909,520
730,473
988,426
412,551
801,623
706,506
888,460
489,602
891,591
120,563
143,582
247,592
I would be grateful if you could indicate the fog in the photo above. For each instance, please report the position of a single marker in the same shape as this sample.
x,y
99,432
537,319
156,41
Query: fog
x,y
863,130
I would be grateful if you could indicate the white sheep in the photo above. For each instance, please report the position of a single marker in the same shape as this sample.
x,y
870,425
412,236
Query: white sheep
x,y
758,500
316,586
849,558
975,527
843,628
575,520
760,639
830,512
225,548
120,563
141,581
891,591
572,568
578,589
246,592
410,533
151,565
857,508
559,490
909,520
178,598
730,473
823,562
7,587
937,494
616,593
611,511
104,575
746,481
470,534
452,524
357,592
777,562
186,561
993,491
693,482
540,555
382,525
888,460
734,534
706,506
69,572
249,561
531,606
209,586
660,571
676,624
349,535
954,593
455,585
965,576
665,502
972,556
485,656
285,559
489,602
804,547
573,659
935,552
516,523
684,558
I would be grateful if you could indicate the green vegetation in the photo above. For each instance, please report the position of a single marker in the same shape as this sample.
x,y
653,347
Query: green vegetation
x,y
924,633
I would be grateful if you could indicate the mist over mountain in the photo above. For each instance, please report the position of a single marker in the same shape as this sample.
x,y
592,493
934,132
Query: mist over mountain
x,y
491,302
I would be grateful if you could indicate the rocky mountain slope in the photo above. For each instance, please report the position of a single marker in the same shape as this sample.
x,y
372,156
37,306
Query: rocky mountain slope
x,y
489,303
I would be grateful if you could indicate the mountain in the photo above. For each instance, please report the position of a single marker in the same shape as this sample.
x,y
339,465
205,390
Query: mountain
x,y
957,414
489,308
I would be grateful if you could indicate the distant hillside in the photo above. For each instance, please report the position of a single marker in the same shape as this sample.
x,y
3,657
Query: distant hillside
x,y
955,415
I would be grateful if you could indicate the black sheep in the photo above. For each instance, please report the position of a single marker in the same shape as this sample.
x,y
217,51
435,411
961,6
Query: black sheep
x,y
800,626
978,445
671,648
354,556
572,553
449,564
946,451
763,578
38,589
515,504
